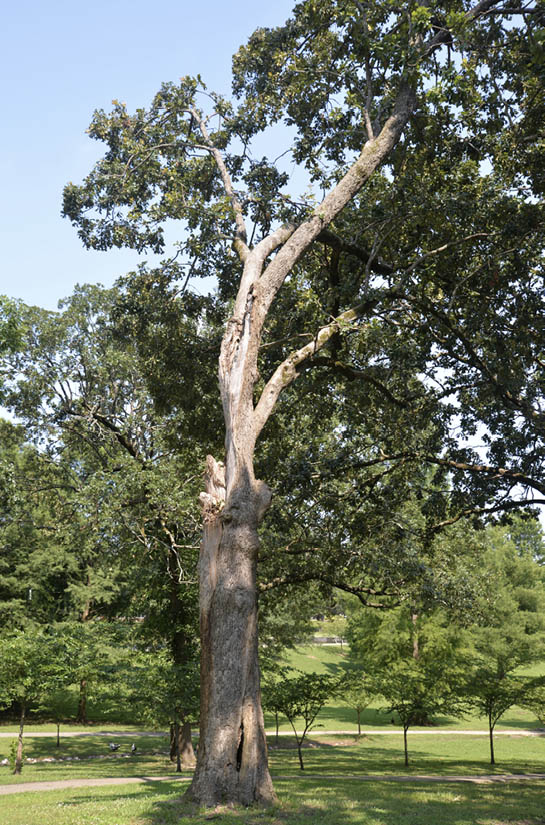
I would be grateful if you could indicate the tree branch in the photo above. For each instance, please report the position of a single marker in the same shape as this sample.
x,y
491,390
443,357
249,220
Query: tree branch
x,y
241,240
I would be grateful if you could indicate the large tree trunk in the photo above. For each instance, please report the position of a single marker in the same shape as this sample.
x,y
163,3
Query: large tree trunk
x,y
232,760
232,764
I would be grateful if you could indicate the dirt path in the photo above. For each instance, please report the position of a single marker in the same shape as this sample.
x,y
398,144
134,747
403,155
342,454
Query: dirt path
x,y
62,784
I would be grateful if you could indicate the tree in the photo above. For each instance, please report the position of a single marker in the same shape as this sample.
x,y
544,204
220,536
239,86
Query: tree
x,y
11,327
125,496
535,701
300,697
417,688
364,86
167,693
32,664
357,693
510,632
493,692
34,564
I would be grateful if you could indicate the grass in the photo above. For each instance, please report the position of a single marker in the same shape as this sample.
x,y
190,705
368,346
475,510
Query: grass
x,y
146,761
302,801
34,724
435,755
369,755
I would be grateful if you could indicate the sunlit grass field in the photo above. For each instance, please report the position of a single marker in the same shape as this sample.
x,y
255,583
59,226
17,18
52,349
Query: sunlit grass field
x,y
367,755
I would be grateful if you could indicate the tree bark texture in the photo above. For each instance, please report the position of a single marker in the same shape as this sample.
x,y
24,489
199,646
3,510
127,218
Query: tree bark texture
x,y
183,746
232,762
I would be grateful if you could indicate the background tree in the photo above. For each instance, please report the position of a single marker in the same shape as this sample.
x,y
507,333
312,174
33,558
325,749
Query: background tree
x,y
32,665
300,697
166,693
510,631
127,521
357,693
535,701
416,688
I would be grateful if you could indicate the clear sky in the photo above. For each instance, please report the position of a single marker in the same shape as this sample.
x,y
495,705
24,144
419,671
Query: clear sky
x,y
61,59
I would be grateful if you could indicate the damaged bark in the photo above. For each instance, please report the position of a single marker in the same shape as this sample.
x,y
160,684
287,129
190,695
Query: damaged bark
x,y
232,758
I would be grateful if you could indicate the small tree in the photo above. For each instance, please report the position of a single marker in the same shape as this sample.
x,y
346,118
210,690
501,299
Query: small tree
x,y
32,664
271,696
357,693
535,700
301,697
492,693
55,706
512,630
412,688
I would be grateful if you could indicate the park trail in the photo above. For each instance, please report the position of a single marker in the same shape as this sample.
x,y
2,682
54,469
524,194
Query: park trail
x,y
63,784
367,732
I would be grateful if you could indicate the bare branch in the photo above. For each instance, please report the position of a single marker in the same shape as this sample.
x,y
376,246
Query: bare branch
x,y
241,241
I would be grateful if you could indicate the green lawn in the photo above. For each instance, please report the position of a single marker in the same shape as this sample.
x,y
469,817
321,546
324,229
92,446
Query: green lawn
x,y
369,755
151,758
431,754
302,801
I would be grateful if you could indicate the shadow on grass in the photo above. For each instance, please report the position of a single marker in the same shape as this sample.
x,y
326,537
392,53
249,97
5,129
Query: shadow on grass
x,y
346,802
353,803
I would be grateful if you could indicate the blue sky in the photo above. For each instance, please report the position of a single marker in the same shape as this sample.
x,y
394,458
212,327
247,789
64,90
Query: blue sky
x,y
60,61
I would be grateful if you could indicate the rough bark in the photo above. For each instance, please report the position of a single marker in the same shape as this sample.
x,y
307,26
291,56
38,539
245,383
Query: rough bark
x,y
182,746
232,760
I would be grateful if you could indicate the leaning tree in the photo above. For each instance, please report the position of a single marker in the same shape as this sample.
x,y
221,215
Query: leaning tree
x,y
372,94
